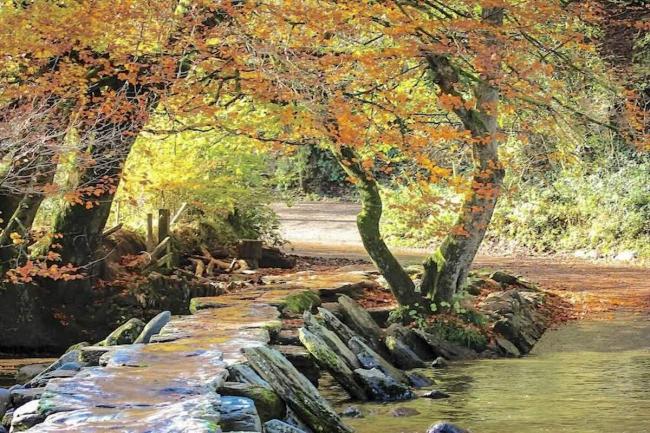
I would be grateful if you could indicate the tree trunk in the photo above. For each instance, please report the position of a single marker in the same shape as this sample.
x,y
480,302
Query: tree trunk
x,y
368,221
447,269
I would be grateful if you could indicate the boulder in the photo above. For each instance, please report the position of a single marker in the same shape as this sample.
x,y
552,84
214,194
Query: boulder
x,y
504,278
445,427
299,394
238,414
370,359
23,396
414,342
381,387
361,321
26,417
274,258
402,355
125,334
287,337
402,412
331,339
277,426
352,412
5,401
439,362
28,372
42,380
70,356
269,405
334,324
7,418
300,301
333,363
444,348
506,346
242,372
153,327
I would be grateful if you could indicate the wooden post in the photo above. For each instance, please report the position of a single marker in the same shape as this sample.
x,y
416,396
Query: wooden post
x,y
150,241
251,251
163,223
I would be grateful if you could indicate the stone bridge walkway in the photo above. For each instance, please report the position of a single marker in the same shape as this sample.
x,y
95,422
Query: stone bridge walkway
x,y
169,385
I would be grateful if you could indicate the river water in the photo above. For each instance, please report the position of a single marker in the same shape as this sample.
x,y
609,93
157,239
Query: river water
x,y
590,376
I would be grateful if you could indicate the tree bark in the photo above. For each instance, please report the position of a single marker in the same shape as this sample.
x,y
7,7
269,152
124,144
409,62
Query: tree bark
x,y
368,220
447,269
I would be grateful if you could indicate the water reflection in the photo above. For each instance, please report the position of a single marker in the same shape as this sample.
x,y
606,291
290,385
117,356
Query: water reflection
x,y
587,377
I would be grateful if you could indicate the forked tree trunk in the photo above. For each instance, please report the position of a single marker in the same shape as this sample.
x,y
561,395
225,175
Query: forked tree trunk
x,y
447,269
368,220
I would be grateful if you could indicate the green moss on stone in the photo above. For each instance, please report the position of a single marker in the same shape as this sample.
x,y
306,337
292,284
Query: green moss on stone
x,y
299,302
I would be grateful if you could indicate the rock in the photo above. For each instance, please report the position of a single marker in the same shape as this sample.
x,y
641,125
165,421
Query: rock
x,y
28,372
444,348
125,334
275,258
587,254
70,366
419,381
333,363
20,397
626,256
380,315
404,412
288,337
243,373
439,362
370,359
334,324
445,427
42,380
304,362
381,387
352,412
331,339
299,394
238,414
70,356
26,417
506,346
504,278
5,401
434,394
299,302
90,355
361,321
153,327
277,426
402,355
414,342
77,346
517,316
269,405
7,418
3,430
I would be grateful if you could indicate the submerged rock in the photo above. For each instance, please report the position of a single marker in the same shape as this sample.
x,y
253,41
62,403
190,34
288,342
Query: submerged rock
x,y
352,412
153,327
404,412
434,394
269,405
238,414
277,426
333,363
299,394
125,334
381,387
445,427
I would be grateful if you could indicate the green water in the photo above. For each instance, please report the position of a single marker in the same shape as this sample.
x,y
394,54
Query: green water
x,y
587,377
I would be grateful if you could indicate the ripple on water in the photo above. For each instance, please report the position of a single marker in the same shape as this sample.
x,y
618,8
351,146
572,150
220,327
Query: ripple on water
x,y
587,377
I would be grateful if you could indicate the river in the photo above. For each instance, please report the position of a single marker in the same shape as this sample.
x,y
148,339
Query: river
x,y
589,376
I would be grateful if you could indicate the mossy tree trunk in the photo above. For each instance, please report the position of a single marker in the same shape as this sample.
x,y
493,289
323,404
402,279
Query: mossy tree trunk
x,y
447,269
368,220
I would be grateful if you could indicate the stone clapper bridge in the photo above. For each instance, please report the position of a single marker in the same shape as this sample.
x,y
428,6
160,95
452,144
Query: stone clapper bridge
x,y
170,385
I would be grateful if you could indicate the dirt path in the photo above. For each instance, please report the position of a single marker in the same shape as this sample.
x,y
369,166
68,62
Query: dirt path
x,y
328,229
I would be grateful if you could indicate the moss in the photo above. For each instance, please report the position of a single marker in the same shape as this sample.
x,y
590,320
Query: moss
x,y
298,303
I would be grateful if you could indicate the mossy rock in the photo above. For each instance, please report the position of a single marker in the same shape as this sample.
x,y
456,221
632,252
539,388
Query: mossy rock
x,y
299,302
125,334
269,405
